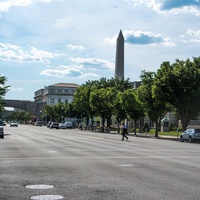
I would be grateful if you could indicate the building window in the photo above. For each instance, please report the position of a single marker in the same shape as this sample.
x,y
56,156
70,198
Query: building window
x,y
52,100
59,100
66,100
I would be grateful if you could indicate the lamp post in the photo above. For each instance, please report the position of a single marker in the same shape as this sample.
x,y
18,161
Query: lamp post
x,y
61,117
40,115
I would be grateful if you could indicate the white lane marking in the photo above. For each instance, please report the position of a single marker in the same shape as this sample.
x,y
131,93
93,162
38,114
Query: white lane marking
x,y
47,197
117,157
40,187
11,137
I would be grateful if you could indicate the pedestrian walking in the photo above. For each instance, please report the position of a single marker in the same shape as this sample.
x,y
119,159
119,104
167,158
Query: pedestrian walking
x,y
124,132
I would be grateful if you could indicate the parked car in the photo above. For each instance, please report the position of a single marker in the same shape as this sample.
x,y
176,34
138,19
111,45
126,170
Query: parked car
x,y
38,123
13,123
48,124
69,124
1,129
191,134
62,126
54,125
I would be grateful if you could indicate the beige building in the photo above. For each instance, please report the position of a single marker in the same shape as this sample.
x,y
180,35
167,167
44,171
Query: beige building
x,y
57,93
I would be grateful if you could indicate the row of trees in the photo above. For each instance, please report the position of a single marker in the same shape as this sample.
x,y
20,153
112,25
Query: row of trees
x,y
20,116
3,90
174,87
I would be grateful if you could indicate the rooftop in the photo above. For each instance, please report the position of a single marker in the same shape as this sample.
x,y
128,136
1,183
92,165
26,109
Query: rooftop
x,y
66,85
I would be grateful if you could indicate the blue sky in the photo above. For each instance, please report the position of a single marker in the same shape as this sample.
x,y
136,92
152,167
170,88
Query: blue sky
x,y
44,42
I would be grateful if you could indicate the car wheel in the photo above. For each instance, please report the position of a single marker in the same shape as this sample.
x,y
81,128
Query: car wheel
x,y
190,139
181,139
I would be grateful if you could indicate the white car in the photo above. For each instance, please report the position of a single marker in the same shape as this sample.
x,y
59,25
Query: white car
x,y
62,126
13,124
1,129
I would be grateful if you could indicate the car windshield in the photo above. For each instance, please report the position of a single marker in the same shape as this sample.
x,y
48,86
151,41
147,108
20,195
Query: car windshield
x,y
197,130
1,123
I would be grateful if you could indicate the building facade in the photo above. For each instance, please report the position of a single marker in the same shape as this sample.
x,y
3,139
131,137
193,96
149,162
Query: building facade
x,y
57,93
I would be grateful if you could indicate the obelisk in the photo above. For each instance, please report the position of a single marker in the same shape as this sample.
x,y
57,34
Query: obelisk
x,y
119,60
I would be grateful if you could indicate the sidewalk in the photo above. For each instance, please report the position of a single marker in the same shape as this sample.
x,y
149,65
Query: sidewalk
x,y
146,135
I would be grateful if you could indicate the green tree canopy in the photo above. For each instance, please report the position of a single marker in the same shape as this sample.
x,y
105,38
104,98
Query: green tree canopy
x,y
3,89
132,105
179,84
153,106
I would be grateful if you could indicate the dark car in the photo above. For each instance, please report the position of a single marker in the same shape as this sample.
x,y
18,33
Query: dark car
x,y
54,125
191,134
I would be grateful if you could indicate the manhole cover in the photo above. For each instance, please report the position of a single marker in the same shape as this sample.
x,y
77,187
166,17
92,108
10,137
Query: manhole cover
x,y
39,186
47,197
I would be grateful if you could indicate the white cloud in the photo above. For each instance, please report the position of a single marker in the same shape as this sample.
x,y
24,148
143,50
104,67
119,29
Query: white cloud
x,y
66,71
192,33
94,63
14,53
16,89
170,6
142,38
5,5
191,36
76,47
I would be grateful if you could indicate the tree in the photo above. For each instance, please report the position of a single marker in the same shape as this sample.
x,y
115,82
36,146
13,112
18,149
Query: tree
x,y
153,106
179,85
118,110
81,100
132,106
101,103
50,112
3,89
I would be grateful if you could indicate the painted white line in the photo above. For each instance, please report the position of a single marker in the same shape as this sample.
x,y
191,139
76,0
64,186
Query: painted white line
x,y
11,137
131,157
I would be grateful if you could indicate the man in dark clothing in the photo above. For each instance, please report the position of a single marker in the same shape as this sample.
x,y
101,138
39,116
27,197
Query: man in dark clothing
x,y
124,132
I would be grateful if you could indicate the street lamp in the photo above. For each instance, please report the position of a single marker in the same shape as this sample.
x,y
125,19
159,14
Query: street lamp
x,y
61,118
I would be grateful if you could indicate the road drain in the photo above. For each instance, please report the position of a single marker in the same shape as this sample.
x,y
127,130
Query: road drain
x,y
47,197
39,186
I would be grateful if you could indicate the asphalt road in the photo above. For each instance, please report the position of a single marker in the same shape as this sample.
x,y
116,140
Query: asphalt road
x,y
46,164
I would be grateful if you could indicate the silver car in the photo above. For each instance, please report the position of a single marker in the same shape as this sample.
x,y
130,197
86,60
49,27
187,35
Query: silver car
x,y
69,124
191,134
1,129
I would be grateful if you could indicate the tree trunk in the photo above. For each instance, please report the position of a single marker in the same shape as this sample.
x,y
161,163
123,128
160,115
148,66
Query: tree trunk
x,y
108,122
135,126
156,130
118,126
103,124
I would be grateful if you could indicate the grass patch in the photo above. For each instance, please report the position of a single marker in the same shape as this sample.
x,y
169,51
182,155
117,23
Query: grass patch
x,y
169,133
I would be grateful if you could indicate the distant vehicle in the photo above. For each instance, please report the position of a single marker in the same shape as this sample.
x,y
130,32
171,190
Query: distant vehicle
x,y
62,126
13,124
38,123
69,124
48,124
191,134
54,125
1,129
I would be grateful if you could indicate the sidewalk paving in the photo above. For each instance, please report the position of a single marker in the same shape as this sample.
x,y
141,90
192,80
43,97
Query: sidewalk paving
x,y
146,135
